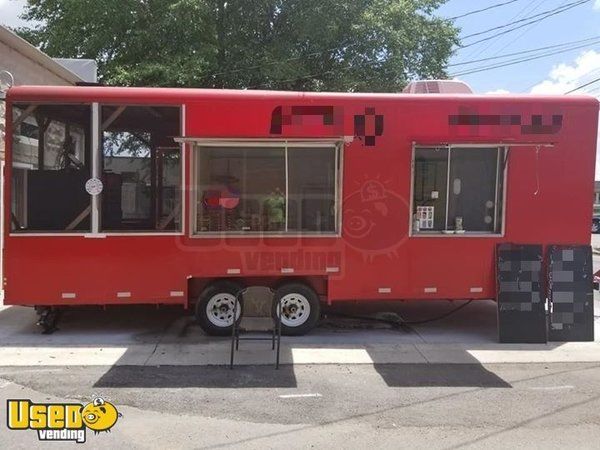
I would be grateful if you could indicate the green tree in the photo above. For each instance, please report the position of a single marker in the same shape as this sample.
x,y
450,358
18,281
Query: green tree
x,y
335,45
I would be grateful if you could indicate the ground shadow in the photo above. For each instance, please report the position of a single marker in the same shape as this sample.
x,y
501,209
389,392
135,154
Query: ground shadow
x,y
166,348
198,376
439,375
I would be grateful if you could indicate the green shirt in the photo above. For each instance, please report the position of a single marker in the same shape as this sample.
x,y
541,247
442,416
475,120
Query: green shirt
x,y
275,206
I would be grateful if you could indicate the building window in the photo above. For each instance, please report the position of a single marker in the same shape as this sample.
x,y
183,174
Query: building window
x,y
266,189
141,169
458,190
50,166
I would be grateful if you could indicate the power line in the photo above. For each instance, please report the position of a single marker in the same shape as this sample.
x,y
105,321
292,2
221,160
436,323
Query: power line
x,y
564,44
545,15
524,19
279,61
587,74
524,25
321,52
477,11
527,29
583,86
266,83
522,13
521,60
554,50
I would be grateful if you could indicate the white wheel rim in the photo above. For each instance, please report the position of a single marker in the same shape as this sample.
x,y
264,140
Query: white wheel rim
x,y
219,309
295,310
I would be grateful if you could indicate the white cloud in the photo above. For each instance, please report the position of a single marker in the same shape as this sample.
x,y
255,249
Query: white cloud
x,y
564,77
597,4
500,91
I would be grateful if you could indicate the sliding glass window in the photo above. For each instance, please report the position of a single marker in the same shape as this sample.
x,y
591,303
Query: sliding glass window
x,y
312,176
458,190
272,189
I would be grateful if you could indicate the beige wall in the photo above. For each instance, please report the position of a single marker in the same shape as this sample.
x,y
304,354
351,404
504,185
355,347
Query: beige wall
x,y
25,71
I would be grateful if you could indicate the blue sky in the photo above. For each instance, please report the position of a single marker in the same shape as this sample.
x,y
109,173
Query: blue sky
x,y
556,74
578,23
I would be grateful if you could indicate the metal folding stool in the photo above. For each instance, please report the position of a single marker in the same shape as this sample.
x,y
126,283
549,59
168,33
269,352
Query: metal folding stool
x,y
275,337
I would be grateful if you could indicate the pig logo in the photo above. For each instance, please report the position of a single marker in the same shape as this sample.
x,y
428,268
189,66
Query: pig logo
x,y
100,415
375,219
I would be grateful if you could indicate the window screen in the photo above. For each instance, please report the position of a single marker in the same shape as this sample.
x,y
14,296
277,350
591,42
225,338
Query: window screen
x,y
458,190
50,165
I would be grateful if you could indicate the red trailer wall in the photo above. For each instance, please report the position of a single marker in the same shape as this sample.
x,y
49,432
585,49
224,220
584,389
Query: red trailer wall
x,y
376,190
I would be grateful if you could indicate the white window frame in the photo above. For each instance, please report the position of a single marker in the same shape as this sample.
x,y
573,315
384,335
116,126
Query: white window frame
x,y
505,149
198,143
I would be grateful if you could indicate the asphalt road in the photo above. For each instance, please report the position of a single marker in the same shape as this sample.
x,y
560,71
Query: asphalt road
x,y
346,406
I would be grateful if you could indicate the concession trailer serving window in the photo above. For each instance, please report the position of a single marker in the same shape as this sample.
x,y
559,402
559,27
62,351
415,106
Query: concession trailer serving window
x,y
458,190
127,150
275,188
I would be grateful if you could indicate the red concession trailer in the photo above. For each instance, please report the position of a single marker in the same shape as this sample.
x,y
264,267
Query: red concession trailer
x,y
118,196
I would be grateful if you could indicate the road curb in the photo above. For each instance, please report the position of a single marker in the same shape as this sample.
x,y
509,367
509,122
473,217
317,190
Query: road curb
x,y
217,354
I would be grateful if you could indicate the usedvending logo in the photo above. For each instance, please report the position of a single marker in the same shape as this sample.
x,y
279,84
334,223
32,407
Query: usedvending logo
x,y
61,421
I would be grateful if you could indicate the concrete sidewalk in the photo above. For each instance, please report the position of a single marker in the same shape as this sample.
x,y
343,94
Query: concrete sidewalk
x,y
148,337
258,354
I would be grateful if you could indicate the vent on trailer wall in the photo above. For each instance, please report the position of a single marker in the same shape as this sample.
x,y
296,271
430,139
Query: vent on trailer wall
x,y
437,87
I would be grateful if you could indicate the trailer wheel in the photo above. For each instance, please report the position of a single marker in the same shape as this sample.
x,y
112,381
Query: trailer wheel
x,y
214,308
300,308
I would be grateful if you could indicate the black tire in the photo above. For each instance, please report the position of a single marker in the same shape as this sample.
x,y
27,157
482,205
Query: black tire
x,y
595,226
225,287
315,308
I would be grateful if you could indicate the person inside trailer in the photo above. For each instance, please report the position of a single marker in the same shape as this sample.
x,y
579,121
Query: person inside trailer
x,y
275,210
